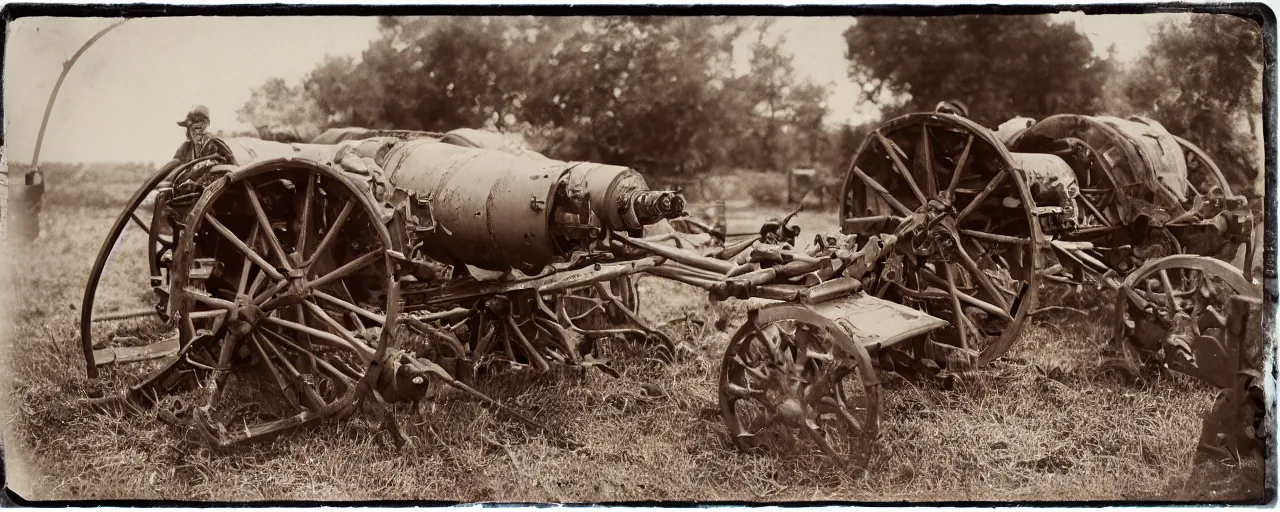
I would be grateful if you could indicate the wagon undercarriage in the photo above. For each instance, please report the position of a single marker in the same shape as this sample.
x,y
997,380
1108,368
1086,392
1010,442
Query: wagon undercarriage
x,y
316,280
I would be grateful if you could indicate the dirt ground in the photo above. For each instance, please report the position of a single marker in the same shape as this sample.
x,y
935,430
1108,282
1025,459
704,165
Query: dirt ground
x,y
1042,424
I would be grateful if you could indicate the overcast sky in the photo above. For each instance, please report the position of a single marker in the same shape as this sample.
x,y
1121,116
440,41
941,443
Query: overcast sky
x,y
123,97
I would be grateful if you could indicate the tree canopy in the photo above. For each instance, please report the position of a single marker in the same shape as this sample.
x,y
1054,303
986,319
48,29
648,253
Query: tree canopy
x,y
685,95
999,66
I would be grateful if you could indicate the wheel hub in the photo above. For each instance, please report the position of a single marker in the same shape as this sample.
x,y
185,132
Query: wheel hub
x,y
244,319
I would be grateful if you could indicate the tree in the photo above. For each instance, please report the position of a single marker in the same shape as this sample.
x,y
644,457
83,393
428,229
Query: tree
x,y
847,140
638,91
766,88
276,107
999,66
808,103
424,73
1202,80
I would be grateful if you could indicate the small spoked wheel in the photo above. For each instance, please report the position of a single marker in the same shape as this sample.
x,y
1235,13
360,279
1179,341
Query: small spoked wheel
x,y
281,286
1167,305
967,245
791,377
588,309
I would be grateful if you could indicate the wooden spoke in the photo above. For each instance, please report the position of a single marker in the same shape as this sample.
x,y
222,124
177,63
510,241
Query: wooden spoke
x,y
331,234
1168,290
285,387
960,163
884,193
744,391
314,402
841,409
890,148
346,269
982,196
336,326
984,281
304,221
264,224
376,318
961,321
207,300
924,162
243,287
811,430
244,249
801,342
823,384
992,237
753,371
971,300
334,340
138,220
1094,210
230,343
318,361
265,298
773,344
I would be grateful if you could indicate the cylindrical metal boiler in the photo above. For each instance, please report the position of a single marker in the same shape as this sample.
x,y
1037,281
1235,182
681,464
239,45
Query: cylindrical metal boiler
x,y
499,209
490,207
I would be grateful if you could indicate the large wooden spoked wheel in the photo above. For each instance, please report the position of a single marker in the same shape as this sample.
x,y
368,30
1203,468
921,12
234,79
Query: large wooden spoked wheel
x,y
791,377
972,257
281,284
156,246
1176,298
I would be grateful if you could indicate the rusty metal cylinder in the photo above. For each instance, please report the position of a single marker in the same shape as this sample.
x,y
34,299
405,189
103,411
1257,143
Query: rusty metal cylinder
x,y
490,207
498,210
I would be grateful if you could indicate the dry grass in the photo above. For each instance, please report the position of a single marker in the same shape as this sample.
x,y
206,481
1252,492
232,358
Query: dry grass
x,y
1043,424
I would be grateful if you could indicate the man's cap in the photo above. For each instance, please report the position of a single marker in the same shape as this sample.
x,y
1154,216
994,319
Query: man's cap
x,y
197,113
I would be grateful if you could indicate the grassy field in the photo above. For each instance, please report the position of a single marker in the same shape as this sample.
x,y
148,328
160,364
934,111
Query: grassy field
x,y
1044,423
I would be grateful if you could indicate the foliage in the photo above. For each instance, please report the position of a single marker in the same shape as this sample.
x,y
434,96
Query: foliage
x,y
644,92
1202,81
656,93
781,119
277,107
999,66
844,144
424,73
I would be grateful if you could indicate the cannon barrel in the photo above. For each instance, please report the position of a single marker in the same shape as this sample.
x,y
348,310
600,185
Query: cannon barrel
x,y
498,210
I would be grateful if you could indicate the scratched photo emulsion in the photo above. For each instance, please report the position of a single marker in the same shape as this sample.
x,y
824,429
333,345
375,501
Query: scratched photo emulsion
x,y
522,257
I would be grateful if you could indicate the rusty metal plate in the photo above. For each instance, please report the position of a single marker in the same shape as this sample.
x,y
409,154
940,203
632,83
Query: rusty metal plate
x,y
877,323
120,355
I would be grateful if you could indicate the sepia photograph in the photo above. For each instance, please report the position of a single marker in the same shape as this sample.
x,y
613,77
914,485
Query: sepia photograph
x,y
759,255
